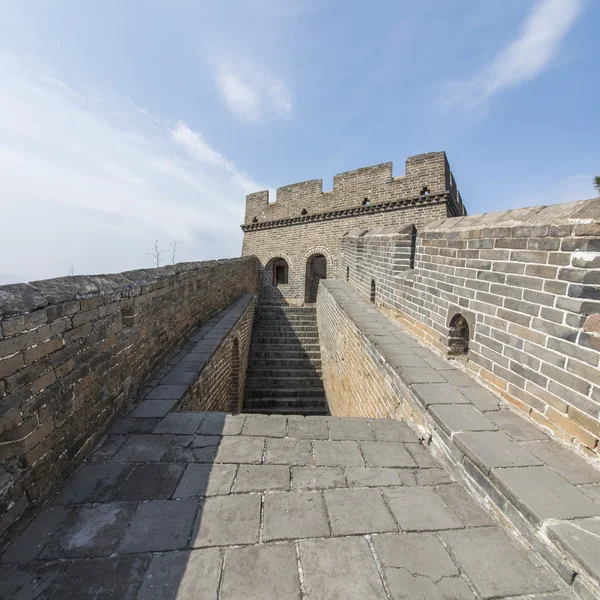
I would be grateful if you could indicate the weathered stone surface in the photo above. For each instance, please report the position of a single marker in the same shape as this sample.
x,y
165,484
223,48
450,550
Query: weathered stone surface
x,y
420,509
90,531
358,511
143,448
180,423
31,581
152,409
372,477
338,454
20,298
240,449
438,393
259,478
160,525
288,451
391,430
316,478
182,575
386,454
309,429
350,558
349,429
564,463
222,424
94,483
206,480
260,572
491,449
294,515
453,419
227,520
517,427
149,482
543,494
273,426
465,507
495,565
167,392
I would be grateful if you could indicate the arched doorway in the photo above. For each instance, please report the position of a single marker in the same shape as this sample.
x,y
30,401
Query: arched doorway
x,y
458,335
316,269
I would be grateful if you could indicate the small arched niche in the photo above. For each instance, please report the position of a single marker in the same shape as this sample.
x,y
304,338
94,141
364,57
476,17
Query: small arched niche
x,y
458,335
373,291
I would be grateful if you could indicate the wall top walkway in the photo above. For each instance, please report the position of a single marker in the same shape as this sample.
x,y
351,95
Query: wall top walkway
x,y
544,488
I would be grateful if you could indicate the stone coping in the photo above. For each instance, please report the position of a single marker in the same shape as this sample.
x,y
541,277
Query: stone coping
x,y
18,298
171,384
576,218
542,490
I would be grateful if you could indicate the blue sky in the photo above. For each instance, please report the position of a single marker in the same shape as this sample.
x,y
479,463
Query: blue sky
x,y
123,122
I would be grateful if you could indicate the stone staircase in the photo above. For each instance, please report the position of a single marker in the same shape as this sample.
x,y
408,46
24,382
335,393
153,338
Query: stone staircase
x,y
284,365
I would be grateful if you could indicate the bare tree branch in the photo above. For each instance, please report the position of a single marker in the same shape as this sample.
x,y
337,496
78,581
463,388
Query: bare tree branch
x,y
71,271
156,254
174,252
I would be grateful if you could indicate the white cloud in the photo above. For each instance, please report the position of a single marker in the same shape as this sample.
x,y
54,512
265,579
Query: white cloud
x,y
522,60
252,94
83,185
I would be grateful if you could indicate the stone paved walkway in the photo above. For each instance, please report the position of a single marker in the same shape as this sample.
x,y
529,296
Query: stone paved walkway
x,y
214,506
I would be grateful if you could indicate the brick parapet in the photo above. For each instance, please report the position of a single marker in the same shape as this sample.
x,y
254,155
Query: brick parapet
x,y
528,283
74,351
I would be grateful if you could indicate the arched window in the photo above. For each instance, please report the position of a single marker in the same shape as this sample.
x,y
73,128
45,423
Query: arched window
x,y
280,271
373,290
458,335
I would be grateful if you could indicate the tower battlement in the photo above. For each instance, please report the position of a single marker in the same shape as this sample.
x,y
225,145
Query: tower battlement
x,y
425,174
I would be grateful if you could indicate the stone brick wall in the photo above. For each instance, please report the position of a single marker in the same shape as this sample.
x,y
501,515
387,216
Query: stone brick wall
x,y
527,283
305,221
357,383
220,386
74,350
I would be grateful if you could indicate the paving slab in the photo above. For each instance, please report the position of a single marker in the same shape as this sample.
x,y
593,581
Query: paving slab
x,y
260,573
308,429
391,430
422,456
591,490
90,531
180,423
29,543
294,515
349,429
143,448
152,408
167,392
107,449
438,393
32,581
262,425
353,511
429,477
140,425
372,477
101,579
420,509
259,478
580,539
543,494
495,565
356,574
492,449
386,454
183,575
288,451
160,525
149,482
316,478
94,483
564,462
206,480
481,398
240,449
455,418
227,520
337,454
463,505
222,424
421,554
517,427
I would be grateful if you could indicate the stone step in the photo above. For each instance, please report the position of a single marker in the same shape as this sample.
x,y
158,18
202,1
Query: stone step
x,y
298,401
259,382
284,341
271,371
278,308
270,326
285,333
291,364
305,411
286,354
285,393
